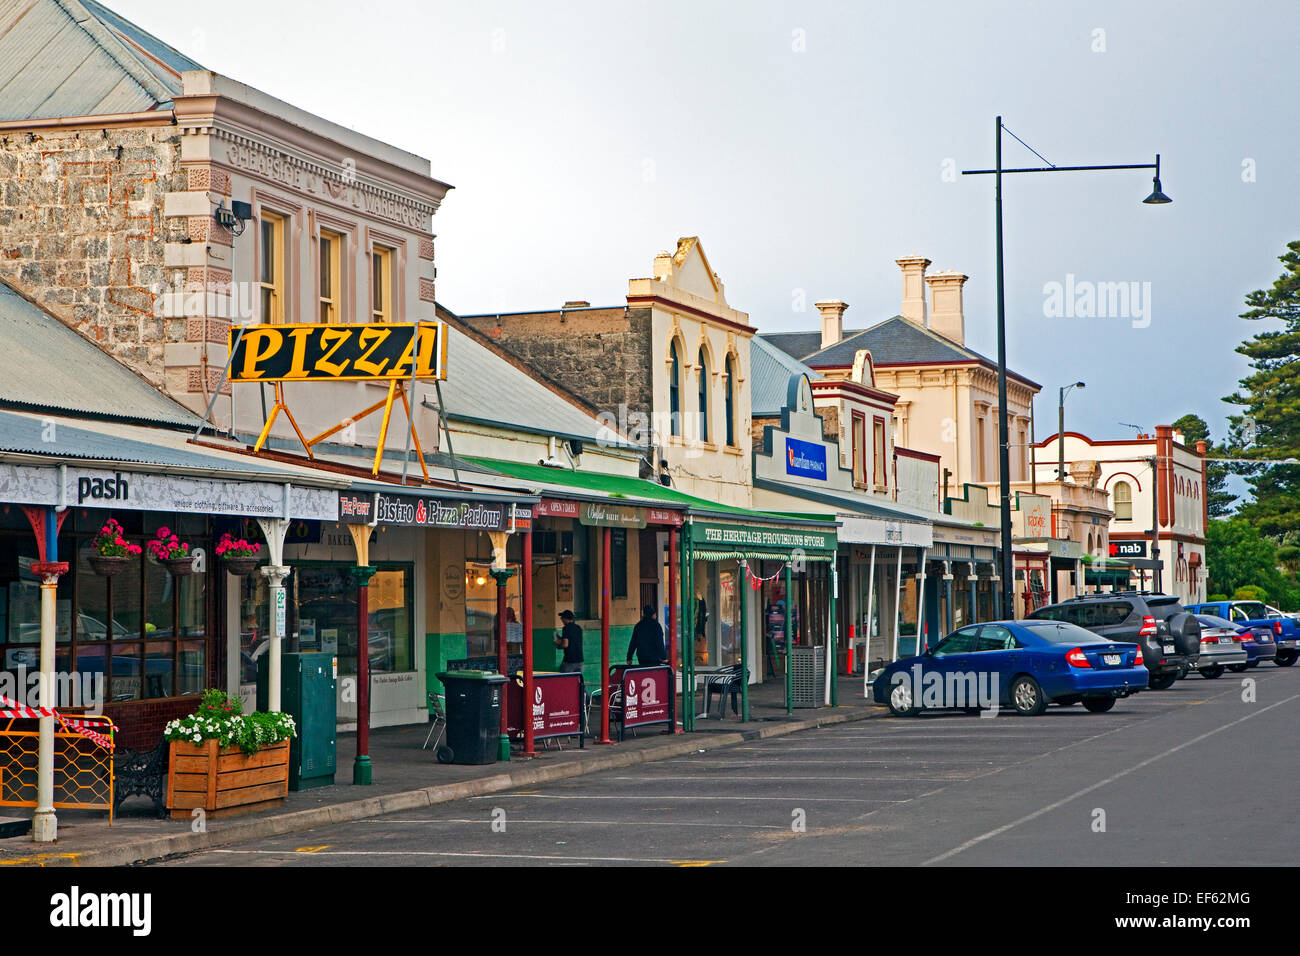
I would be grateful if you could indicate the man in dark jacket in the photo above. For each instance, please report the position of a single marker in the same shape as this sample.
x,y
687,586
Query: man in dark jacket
x,y
647,640
570,641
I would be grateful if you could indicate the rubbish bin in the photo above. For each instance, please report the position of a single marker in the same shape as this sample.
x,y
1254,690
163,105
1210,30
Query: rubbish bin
x,y
807,675
473,716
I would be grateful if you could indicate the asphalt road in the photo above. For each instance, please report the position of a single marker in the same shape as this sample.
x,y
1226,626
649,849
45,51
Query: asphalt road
x,y
1190,776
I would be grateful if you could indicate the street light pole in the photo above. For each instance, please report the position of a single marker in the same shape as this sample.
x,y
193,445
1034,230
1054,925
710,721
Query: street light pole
x,y
1157,197
1060,432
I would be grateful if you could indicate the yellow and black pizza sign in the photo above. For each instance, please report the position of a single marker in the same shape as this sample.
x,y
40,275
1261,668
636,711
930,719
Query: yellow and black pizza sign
x,y
300,353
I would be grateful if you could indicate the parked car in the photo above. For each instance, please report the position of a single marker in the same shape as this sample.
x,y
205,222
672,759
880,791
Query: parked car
x,y
1026,664
1257,641
1169,636
1221,646
1285,631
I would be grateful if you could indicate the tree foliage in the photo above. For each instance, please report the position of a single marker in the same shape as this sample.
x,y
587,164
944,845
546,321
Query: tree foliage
x,y
1218,499
1237,555
1270,398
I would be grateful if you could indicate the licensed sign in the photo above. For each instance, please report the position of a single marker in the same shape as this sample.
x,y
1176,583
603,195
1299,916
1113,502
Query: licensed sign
x,y
365,351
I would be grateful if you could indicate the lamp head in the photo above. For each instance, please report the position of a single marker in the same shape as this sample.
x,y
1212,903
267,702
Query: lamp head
x,y
1157,197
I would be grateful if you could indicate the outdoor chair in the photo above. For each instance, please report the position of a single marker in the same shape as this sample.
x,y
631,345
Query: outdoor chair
x,y
723,685
437,707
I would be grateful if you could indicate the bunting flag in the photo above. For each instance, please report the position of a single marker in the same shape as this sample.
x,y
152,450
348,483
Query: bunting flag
x,y
10,709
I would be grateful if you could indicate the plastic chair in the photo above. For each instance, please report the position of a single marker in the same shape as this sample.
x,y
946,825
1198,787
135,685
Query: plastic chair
x,y
722,685
437,707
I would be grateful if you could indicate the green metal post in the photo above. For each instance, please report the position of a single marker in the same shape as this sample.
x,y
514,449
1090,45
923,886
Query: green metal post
x,y
744,644
789,680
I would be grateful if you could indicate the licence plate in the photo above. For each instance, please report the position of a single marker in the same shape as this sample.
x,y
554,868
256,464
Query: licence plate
x,y
1112,659
1263,640
1169,648
1225,640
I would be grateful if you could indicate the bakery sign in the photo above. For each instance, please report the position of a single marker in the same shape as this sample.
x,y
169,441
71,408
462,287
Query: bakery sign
x,y
413,512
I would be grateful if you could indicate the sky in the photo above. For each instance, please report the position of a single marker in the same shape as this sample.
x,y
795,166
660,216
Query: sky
x,y
811,144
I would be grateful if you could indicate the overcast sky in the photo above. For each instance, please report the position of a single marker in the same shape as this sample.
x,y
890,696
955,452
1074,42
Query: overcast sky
x,y
811,144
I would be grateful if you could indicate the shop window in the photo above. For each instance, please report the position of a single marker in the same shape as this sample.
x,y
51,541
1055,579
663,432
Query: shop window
x,y
331,259
481,610
325,602
381,285
618,562
271,271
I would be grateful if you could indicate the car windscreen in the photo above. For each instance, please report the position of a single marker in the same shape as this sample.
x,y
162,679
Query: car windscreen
x,y
1060,632
1210,620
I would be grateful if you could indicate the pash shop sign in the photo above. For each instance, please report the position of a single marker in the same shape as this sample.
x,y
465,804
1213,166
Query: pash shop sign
x,y
319,352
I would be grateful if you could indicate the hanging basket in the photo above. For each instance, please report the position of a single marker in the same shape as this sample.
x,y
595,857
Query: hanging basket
x,y
180,567
107,565
240,564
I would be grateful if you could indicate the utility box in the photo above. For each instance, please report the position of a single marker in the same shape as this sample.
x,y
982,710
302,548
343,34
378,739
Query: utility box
x,y
307,694
808,676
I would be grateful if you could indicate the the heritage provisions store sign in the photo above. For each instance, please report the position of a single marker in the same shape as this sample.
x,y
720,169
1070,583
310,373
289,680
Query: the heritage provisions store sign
x,y
757,539
414,512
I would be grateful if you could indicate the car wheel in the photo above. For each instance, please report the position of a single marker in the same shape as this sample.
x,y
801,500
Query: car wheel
x,y
1285,660
1212,673
1098,705
1237,668
1255,663
900,700
1027,697
1162,681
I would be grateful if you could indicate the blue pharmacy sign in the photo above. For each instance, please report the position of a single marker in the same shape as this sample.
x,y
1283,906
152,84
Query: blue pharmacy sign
x,y
805,459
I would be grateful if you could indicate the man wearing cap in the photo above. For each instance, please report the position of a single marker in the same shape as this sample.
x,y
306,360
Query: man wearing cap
x,y
570,639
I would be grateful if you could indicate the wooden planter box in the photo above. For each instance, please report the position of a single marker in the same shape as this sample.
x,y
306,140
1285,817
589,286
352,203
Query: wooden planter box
x,y
225,781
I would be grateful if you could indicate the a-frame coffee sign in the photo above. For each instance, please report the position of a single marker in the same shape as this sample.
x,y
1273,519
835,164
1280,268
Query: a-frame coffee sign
x,y
379,351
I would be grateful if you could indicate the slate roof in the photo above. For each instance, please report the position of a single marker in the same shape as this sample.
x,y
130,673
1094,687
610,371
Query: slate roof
x,y
893,341
44,365
78,58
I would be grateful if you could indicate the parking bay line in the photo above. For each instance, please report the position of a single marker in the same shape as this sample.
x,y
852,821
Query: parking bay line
x,y
593,823
1101,783
656,797
486,856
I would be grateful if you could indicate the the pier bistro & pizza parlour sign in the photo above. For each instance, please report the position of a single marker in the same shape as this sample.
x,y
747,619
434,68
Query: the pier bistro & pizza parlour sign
x,y
141,491
415,512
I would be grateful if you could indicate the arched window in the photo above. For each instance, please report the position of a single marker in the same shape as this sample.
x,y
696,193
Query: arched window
x,y
729,394
675,393
1122,498
704,396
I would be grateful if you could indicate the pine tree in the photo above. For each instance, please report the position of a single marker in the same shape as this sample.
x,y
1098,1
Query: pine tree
x,y
1270,427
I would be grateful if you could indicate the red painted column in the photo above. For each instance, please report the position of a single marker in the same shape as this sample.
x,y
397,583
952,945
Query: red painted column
x,y
604,636
527,598
673,565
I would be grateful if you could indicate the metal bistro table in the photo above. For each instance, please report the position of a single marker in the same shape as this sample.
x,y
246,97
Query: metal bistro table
x,y
706,673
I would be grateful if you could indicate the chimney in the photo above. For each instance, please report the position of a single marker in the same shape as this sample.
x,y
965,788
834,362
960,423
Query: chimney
x,y
946,316
914,289
832,312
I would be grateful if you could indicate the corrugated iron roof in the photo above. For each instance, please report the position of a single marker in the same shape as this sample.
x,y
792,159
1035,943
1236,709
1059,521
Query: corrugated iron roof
x,y
46,365
32,435
70,58
769,375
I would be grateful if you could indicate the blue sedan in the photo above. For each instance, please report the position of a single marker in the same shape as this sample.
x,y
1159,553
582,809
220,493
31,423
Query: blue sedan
x,y
1025,665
